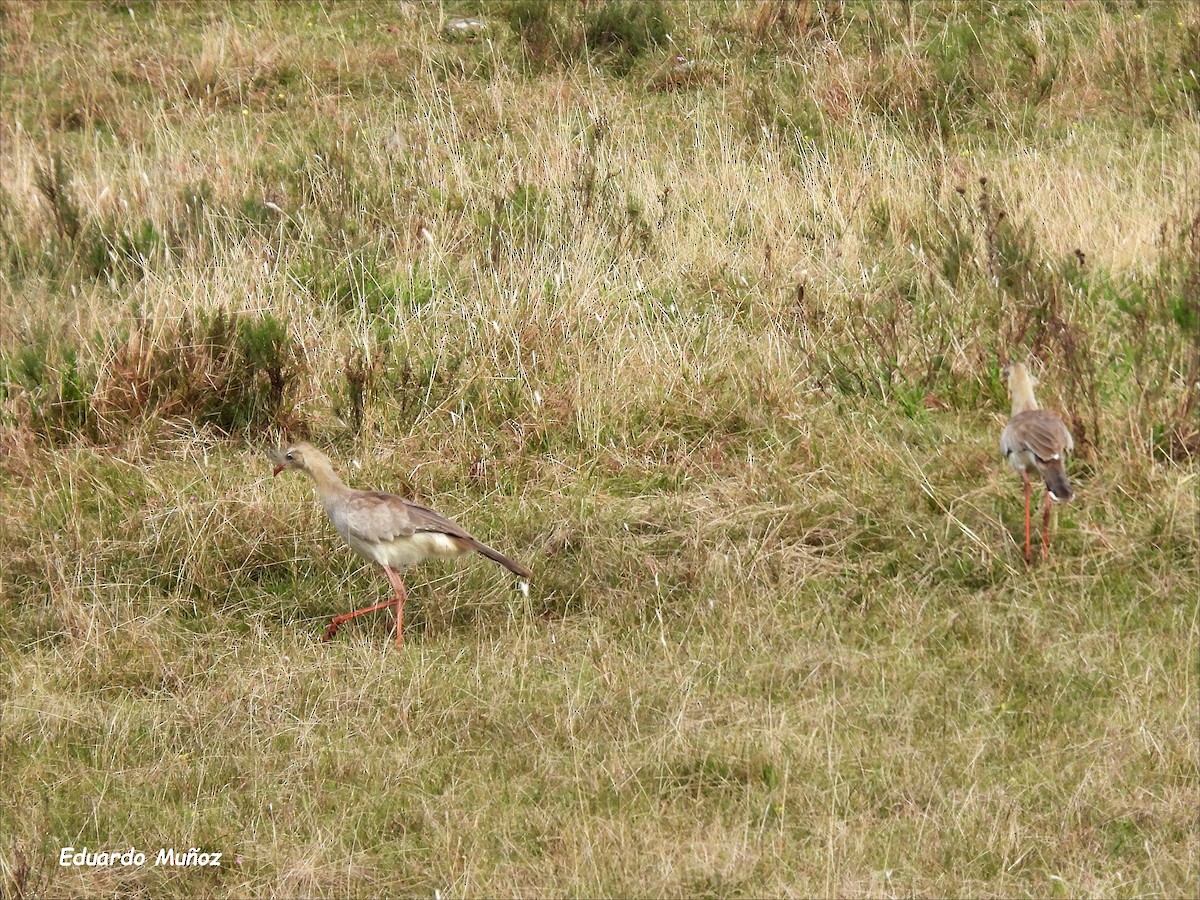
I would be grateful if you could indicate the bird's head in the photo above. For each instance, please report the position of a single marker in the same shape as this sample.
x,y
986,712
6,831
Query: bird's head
x,y
1018,373
1020,387
302,456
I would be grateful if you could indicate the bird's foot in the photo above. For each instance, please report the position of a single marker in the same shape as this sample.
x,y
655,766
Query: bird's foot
x,y
330,631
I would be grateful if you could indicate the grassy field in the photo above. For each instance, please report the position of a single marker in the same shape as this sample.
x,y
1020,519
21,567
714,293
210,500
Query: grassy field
x,y
696,309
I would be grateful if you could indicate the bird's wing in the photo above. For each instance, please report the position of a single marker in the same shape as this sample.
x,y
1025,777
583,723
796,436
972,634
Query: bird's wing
x,y
1009,443
377,517
426,519
1040,431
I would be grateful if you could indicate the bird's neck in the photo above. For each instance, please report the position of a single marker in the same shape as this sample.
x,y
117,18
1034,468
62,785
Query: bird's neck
x,y
327,481
1022,394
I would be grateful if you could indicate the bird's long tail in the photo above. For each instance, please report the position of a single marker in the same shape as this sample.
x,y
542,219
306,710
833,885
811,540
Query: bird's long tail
x,y
1056,480
515,567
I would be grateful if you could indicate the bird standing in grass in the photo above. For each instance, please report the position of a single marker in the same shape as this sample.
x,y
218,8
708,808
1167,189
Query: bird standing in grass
x,y
1035,440
383,528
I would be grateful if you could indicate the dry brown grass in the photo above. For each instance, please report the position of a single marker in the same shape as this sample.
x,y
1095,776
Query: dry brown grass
x,y
716,356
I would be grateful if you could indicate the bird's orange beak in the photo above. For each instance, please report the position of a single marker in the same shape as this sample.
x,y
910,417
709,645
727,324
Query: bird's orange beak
x,y
279,469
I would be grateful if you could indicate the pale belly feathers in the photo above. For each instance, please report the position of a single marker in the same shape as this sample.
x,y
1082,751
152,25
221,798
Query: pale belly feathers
x,y
407,550
1022,460
401,551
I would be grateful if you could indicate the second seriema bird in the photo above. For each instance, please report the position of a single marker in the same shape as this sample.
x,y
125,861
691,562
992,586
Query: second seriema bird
x,y
1036,440
384,528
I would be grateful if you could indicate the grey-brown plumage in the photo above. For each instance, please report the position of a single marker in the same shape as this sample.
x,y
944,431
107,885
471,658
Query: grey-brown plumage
x,y
1036,440
390,530
384,528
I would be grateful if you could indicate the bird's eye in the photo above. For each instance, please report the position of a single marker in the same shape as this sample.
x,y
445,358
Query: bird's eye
x,y
289,457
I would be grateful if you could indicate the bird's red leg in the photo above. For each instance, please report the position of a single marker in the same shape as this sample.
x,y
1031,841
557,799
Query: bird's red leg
x,y
393,578
397,600
338,620
1028,497
1046,528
